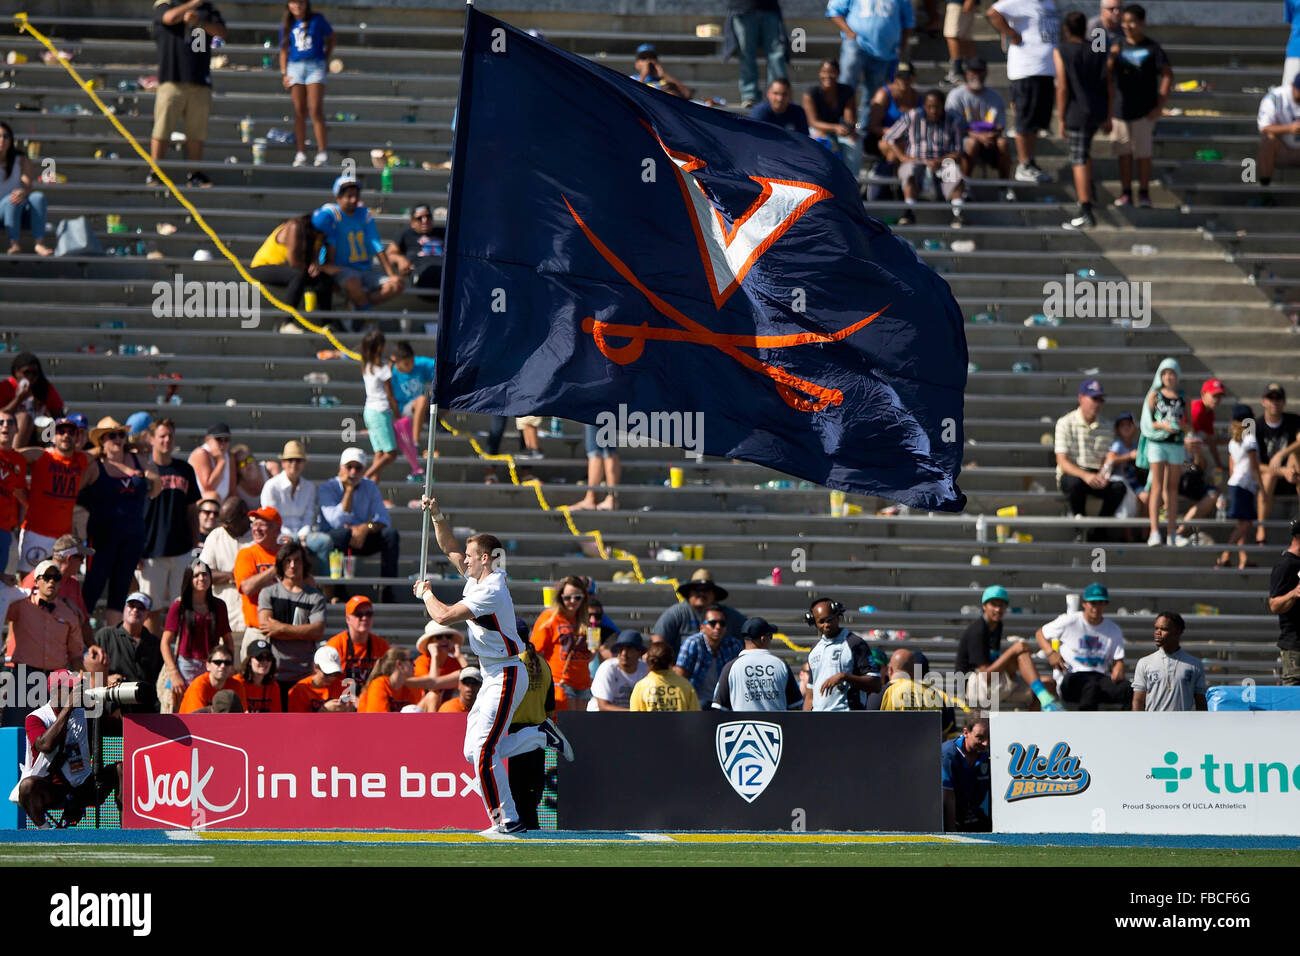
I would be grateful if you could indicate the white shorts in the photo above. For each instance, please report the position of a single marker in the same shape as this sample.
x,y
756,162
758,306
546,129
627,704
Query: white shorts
x,y
160,578
488,745
33,548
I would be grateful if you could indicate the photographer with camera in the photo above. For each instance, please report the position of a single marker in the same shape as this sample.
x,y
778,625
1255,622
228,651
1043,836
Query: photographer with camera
x,y
57,773
651,73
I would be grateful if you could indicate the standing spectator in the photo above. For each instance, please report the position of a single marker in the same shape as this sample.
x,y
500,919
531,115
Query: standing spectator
x,y
255,566
757,26
662,689
1278,435
288,257
964,775
1030,28
13,487
831,108
612,687
355,518
777,109
250,475
169,520
1143,79
1170,679
116,501
527,771
294,498
261,691
1283,600
1107,22
1081,445
1164,422
840,663
685,617
358,646
183,31
25,206
704,655
1088,659
196,625
214,466
927,142
471,680
68,554
1083,106
381,407
386,692
600,629
560,637
133,651
992,674
43,636
959,34
220,675
873,37
1278,122
1243,485
412,379
220,551
350,231
417,250
57,476
209,515
982,114
650,72
28,395
602,460
1122,459
757,680
323,691
306,44
291,614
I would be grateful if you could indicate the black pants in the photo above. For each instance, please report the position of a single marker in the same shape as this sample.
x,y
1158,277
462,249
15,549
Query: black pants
x,y
527,775
1088,689
1077,491
295,282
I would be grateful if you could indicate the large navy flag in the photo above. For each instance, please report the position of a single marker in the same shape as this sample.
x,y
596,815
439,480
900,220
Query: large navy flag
x,y
610,244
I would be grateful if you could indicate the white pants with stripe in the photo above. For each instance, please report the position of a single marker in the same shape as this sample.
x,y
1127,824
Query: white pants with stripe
x,y
488,745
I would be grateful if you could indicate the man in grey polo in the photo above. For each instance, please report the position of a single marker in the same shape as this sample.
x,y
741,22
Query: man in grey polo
x,y
757,679
1170,679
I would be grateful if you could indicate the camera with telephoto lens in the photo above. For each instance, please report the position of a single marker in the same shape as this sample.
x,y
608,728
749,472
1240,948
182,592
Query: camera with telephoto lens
x,y
129,692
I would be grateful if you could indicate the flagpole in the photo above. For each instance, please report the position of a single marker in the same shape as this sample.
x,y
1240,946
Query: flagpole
x,y
428,491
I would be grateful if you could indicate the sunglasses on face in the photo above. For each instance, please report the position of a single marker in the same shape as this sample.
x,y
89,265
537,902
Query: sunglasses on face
x,y
364,614
423,215
115,436
66,430
265,658
714,623
571,597
53,576
352,466
222,439
221,662
8,423
210,512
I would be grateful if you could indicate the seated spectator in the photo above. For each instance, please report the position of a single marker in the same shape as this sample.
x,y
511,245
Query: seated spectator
x,y
1243,484
650,72
831,109
928,146
199,620
994,676
28,395
68,554
294,498
358,646
417,250
600,629
346,258
291,615
1202,442
1279,134
20,203
662,689
1278,437
703,655
685,617
1122,459
1088,661
560,636
412,379
982,115
43,635
1170,679
213,465
56,477
841,664
224,702
221,550
324,691
757,680
289,257
887,105
220,676
1080,446
133,654
907,690
439,654
778,110
58,772
258,674
612,687
964,772
354,516
470,682
386,691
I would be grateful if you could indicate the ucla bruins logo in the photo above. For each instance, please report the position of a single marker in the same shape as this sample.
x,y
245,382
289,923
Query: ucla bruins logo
x,y
749,751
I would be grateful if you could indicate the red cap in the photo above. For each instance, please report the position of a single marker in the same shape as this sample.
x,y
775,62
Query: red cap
x,y
357,601
1214,387
266,513
61,678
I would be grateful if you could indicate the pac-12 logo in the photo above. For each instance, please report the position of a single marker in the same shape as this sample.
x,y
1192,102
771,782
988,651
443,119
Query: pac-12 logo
x,y
1033,775
749,751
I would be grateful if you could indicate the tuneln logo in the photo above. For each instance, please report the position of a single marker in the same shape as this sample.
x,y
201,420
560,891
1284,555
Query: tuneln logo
x,y
1032,775
1171,775
1224,777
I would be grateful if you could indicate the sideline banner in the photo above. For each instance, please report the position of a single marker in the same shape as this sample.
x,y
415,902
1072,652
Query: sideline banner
x,y
1198,773
298,771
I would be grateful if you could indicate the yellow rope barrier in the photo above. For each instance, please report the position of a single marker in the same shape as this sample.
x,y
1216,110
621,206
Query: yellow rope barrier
x,y
21,22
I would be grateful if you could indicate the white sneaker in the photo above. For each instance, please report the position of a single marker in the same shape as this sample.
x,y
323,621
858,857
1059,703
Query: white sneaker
x,y
322,159
300,159
1181,541
1025,174
1155,540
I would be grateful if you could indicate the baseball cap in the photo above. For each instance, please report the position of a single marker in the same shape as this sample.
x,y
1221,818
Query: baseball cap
x,y
1295,528
218,429
78,419
995,592
352,455
629,638
266,513
1214,387
468,674
61,678
293,449
1123,416
1096,592
646,49
905,68
357,601
1276,391
974,64
1092,388
258,647
138,422
139,597
1242,412
68,544
44,568
226,702
756,628
327,659
347,179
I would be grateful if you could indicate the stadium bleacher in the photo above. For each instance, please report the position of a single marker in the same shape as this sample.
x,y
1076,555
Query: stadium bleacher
x,y
1222,280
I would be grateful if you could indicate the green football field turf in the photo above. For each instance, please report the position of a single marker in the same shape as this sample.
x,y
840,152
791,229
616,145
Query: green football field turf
x,y
538,853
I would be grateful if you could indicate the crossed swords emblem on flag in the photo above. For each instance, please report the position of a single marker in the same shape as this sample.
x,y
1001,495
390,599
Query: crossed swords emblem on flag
x,y
727,256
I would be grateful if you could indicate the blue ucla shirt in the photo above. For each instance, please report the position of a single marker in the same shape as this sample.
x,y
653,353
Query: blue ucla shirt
x,y
408,387
355,238
307,38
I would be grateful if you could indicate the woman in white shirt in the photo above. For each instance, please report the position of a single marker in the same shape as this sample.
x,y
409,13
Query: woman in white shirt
x,y
381,407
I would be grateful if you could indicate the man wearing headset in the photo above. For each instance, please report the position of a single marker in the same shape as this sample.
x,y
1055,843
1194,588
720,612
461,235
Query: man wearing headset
x,y
841,665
